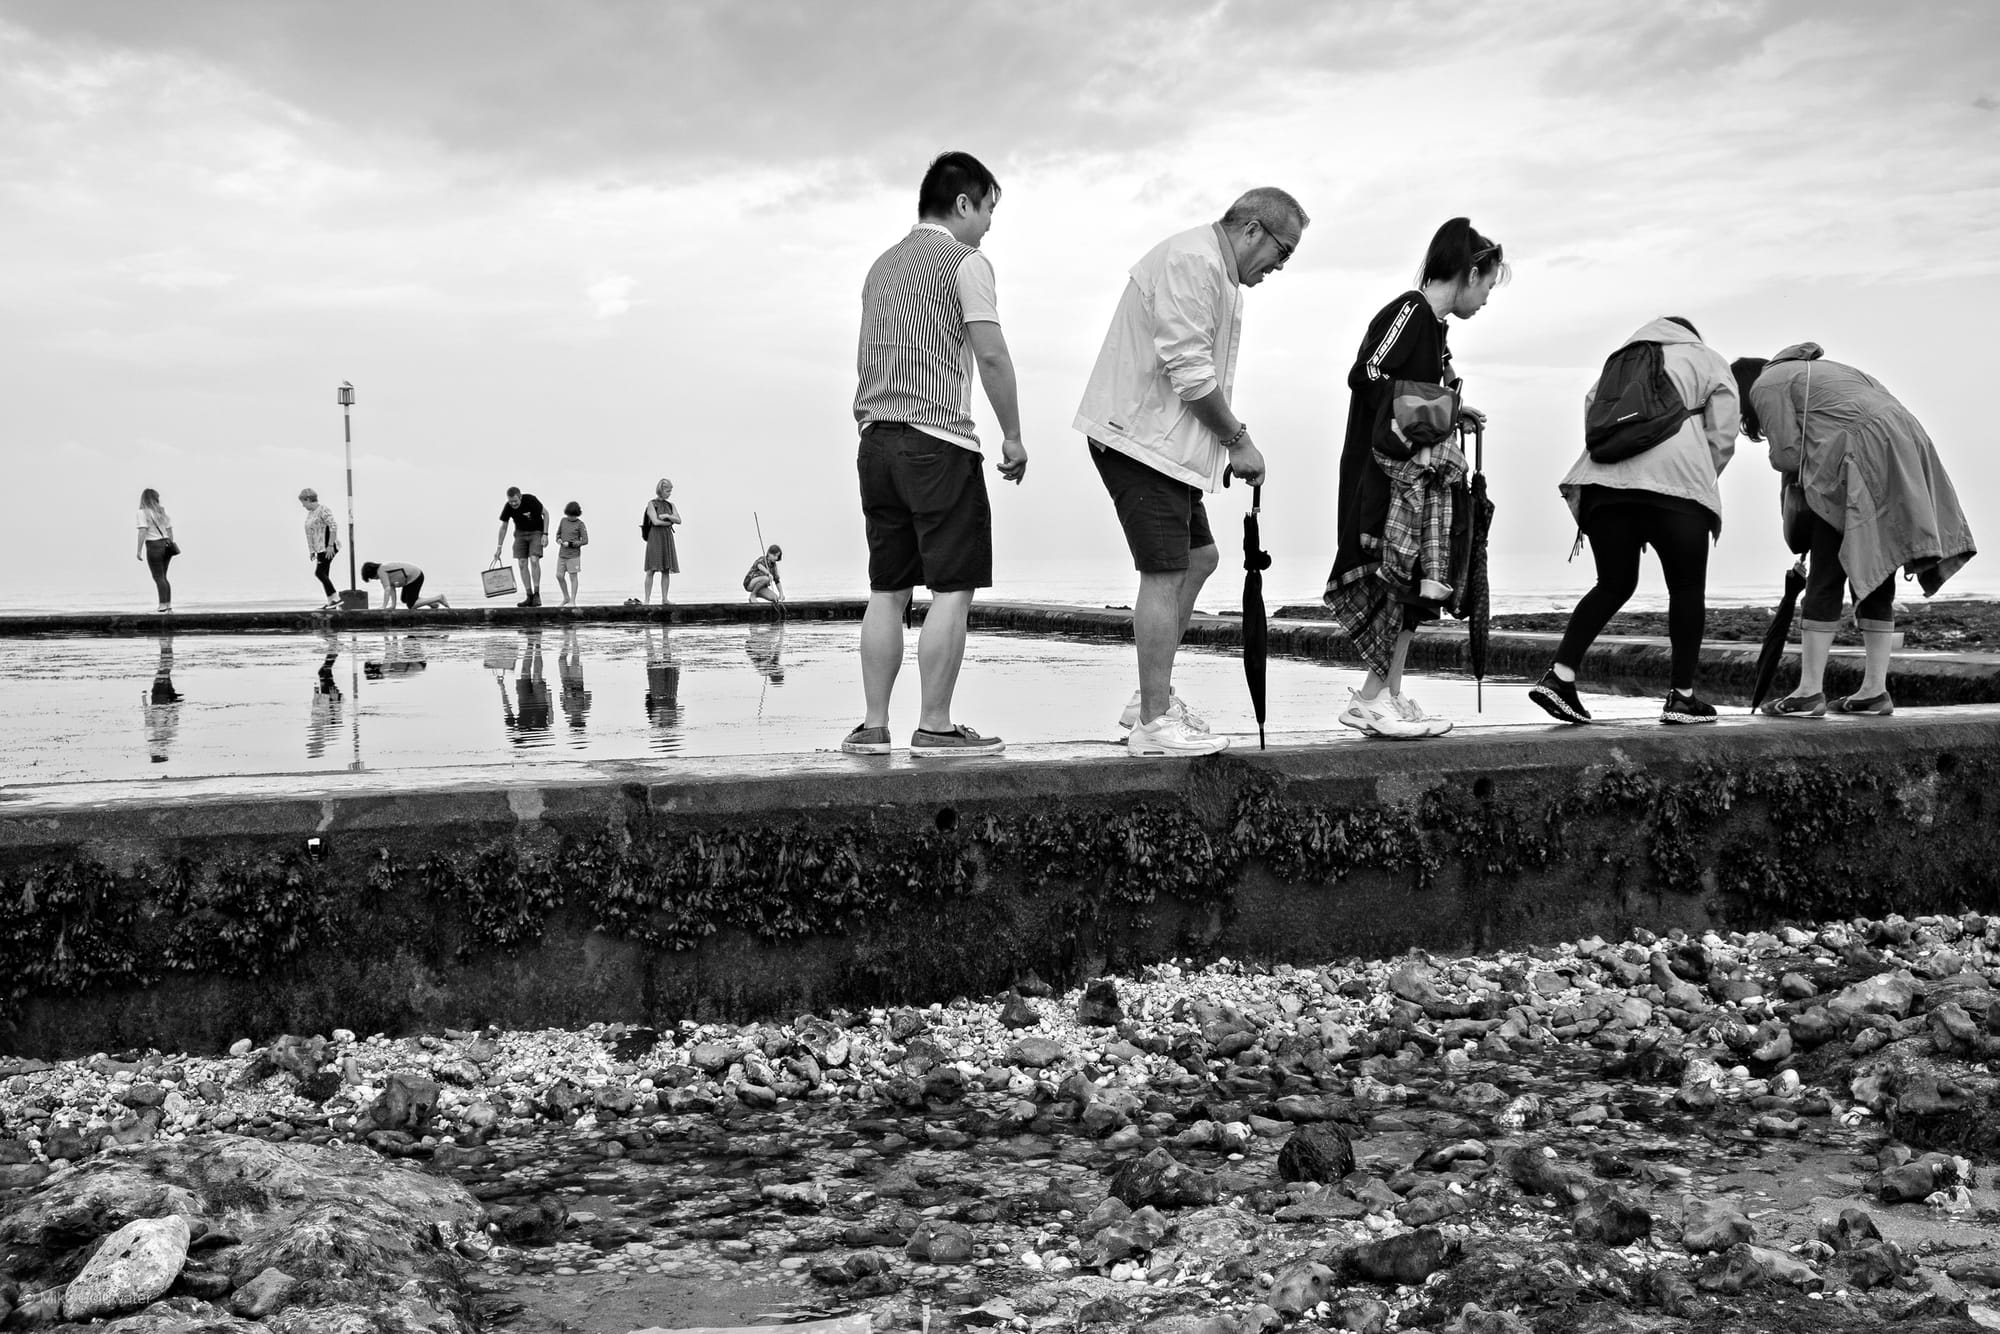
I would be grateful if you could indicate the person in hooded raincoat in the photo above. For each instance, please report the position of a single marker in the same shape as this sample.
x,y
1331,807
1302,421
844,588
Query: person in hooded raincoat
x,y
1668,498
1880,501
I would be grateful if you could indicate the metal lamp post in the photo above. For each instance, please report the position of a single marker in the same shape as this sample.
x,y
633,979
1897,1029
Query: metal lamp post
x,y
346,394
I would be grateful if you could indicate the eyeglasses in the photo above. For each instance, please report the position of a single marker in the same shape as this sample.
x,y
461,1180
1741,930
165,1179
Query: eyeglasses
x,y
1284,251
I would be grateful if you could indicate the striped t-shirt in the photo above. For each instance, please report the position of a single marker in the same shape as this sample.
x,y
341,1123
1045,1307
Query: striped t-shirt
x,y
915,363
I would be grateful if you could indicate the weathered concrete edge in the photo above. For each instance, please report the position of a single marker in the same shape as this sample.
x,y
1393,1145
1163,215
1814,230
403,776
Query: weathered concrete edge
x,y
823,784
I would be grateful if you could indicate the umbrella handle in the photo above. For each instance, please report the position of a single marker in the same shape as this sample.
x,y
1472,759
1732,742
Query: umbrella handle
x,y
1257,498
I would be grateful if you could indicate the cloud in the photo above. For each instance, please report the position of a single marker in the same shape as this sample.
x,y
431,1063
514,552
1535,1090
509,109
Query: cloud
x,y
610,297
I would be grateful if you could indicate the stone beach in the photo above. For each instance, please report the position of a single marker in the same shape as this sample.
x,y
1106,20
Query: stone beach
x,y
1781,1130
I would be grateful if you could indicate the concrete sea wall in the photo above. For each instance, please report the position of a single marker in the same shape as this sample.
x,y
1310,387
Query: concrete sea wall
x,y
191,913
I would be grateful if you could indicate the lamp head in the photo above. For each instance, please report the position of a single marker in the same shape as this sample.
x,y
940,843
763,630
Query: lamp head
x,y
346,392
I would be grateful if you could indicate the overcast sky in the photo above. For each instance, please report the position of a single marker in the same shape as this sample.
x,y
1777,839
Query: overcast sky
x,y
577,246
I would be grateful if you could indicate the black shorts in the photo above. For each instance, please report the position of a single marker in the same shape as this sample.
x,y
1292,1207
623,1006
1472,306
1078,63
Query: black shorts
x,y
411,589
1164,519
925,503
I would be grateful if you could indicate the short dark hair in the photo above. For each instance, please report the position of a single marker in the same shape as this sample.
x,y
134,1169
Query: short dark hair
x,y
949,176
573,509
1746,370
1268,207
513,491
1458,253
370,568
1685,323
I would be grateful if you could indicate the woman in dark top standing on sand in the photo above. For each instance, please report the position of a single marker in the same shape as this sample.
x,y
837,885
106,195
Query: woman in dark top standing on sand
x,y
1405,341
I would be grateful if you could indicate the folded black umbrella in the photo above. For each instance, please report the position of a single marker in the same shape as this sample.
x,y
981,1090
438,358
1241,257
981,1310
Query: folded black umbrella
x,y
1256,634
1478,587
1773,651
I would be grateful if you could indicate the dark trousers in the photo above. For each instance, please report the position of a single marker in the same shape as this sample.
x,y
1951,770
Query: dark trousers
x,y
1618,532
157,557
1826,588
321,564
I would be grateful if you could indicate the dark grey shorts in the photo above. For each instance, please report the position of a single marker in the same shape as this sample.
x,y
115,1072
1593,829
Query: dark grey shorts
x,y
928,519
1164,519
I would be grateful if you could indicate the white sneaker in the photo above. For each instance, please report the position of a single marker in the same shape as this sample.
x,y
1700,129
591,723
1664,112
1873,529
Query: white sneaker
x,y
1413,712
1169,734
1176,708
1379,717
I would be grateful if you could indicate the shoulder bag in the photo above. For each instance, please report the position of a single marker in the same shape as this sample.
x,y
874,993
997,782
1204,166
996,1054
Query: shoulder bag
x,y
1416,415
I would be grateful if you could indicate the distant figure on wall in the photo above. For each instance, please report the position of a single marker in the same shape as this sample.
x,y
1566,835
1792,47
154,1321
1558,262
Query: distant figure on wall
x,y
657,526
531,539
762,580
400,575
322,543
571,538
156,544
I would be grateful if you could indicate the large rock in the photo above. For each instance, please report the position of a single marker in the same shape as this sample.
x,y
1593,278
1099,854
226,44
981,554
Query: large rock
x,y
373,1236
1161,1180
406,1104
1316,1153
1713,1225
1099,1006
137,1263
1410,1258
1890,994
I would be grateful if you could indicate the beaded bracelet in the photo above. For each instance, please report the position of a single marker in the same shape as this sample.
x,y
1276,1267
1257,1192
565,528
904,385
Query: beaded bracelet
x,y
1242,429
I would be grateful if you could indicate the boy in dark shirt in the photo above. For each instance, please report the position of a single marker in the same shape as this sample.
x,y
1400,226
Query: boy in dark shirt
x,y
531,538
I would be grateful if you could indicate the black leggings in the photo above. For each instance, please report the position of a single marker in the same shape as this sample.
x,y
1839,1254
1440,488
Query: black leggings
x,y
157,557
321,564
1618,532
1826,588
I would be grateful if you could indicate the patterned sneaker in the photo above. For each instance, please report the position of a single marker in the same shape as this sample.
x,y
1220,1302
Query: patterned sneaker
x,y
1176,707
959,743
1412,712
1379,717
1685,708
1171,735
1558,698
1797,706
1880,705
866,740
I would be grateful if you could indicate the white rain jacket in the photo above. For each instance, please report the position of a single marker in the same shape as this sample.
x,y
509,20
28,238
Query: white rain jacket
x,y
1174,338
1689,463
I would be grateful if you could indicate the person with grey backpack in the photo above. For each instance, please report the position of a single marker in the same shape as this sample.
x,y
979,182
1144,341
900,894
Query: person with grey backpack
x,y
1660,425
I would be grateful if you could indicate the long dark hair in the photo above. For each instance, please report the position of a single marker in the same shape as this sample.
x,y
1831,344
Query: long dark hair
x,y
1458,253
149,500
1746,370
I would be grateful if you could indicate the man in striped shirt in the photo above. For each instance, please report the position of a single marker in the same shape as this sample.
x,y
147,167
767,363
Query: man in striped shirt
x,y
928,320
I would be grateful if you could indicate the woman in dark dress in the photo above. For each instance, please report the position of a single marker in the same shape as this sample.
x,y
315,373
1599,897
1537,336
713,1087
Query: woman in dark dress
x,y
1405,341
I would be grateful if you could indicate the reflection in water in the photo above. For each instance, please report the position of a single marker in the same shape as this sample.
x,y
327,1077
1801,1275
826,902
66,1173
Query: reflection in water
x,y
575,699
765,645
402,655
536,711
162,705
663,690
326,701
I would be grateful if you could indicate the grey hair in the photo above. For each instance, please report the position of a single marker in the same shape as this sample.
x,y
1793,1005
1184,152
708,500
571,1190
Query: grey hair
x,y
308,494
1268,206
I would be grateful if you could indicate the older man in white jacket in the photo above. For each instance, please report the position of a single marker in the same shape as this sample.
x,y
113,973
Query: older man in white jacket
x,y
1161,430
